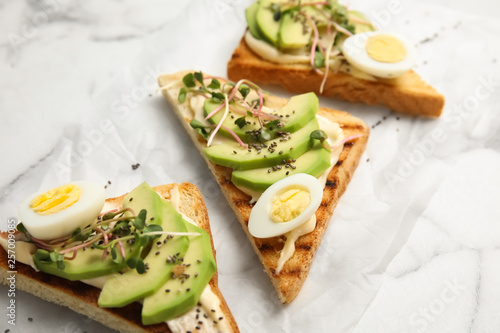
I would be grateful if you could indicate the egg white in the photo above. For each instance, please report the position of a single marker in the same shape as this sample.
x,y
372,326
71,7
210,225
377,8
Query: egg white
x,y
354,49
64,222
260,224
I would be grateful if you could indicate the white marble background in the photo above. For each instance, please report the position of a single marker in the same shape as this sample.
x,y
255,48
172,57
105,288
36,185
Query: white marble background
x,y
413,244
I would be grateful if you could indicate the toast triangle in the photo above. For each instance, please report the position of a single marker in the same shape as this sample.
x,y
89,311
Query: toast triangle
x,y
406,94
290,280
82,298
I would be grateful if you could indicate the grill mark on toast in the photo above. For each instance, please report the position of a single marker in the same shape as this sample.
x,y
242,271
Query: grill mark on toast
x,y
339,163
223,181
353,127
266,247
304,247
331,184
294,272
241,203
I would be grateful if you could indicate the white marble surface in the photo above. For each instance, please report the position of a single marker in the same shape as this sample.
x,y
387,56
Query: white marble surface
x,y
413,244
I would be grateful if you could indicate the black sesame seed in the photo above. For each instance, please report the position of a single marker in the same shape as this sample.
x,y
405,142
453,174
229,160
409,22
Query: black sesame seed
x,y
212,310
130,199
188,289
198,327
167,290
30,319
234,151
287,173
157,253
197,316
205,315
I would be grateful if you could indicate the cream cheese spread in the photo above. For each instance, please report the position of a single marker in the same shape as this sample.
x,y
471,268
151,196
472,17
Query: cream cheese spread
x,y
292,236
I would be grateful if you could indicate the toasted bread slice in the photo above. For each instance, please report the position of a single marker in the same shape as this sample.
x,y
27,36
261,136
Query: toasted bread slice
x,y
82,298
291,278
406,94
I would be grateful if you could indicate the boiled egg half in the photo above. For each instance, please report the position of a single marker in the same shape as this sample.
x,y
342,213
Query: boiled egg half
x,y
59,211
380,54
285,205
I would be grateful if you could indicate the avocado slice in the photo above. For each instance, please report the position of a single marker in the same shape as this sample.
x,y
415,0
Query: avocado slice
x,y
360,27
144,197
251,16
294,32
230,154
295,114
266,22
313,162
87,264
178,295
131,286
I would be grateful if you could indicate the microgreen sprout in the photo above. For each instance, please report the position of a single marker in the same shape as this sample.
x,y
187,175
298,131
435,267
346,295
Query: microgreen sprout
x,y
232,97
323,137
108,233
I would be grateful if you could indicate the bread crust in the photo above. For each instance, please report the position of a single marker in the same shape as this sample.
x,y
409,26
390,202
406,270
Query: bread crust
x,y
291,278
82,298
406,94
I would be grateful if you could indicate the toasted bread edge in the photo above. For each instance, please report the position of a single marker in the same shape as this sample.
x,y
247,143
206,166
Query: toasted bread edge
x,y
411,95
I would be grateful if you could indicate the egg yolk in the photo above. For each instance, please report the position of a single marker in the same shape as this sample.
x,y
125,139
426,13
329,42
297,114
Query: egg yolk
x,y
55,200
289,205
385,48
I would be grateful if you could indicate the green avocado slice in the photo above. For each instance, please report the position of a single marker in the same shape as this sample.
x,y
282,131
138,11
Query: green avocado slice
x,y
360,27
294,32
230,154
131,286
87,264
295,114
251,16
266,22
180,294
313,162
